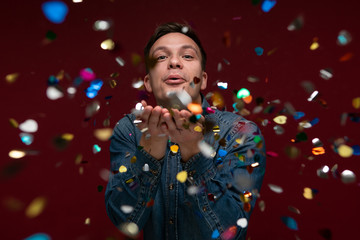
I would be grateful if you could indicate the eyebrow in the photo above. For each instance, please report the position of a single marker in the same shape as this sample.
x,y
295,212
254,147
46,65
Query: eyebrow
x,y
182,47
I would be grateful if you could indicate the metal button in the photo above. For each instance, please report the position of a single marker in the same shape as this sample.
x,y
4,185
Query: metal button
x,y
204,209
171,221
171,186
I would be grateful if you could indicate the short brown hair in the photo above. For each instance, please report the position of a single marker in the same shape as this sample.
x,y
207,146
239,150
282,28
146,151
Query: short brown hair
x,y
172,27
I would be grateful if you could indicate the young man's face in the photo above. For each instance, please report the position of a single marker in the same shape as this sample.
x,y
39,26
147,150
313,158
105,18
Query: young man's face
x,y
178,67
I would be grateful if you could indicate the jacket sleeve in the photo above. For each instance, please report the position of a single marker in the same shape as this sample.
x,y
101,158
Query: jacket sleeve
x,y
134,177
230,181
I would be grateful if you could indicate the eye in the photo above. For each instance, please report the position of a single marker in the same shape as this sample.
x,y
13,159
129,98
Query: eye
x,y
188,57
162,57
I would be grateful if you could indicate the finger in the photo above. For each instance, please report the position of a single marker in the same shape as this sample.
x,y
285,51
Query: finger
x,y
178,119
169,122
143,102
144,117
154,118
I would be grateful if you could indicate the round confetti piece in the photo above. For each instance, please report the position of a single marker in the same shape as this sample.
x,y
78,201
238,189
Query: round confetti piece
x,y
348,176
12,77
243,93
122,169
210,110
267,5
259,51
192,190
242,222
101,25
281,119
195,108
87,221
107,44
248,99
127,209
38,236
308,193
345,151
174,148
146,167
129,229
323,172
133,159
314,46
279,130
215,234
344,38
222,153
96,148
36,207
275,188
356,103
16,154
182,176
197,129
55,11
87,74
54,93
26,138
29,126
289,222
103,134
356,150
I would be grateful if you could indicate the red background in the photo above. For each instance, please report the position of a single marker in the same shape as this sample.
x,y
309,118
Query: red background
x,y
72,197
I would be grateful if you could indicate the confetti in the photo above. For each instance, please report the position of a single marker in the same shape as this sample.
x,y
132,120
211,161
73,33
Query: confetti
x,y
146,167
130,229
96,148
174,148
92,108
348,176
120,61
346,57
279,130
54,93
294,209
344,38
182,176
122,169
315,45
316,142
318,150
100,188
242,93
308,193
289,222
253,79
323,172
229,233
192,190
356,103
87,74
127,209
38,236
275,188
215,234
259,51
87,221
345,151
280,119
206,149
26,138
356,150
55,11
103,134
267,5
12,77
101,25
262,205
198,129
29,126
107,44
36,207
326,73
195,108
242,222
13,123
222,85
296,24
298,115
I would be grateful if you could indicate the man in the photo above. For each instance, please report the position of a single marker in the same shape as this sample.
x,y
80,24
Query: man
x,y
182,169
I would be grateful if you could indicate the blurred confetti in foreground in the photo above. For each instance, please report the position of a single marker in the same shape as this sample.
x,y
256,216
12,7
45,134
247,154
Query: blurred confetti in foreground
x,y
55,11
36,207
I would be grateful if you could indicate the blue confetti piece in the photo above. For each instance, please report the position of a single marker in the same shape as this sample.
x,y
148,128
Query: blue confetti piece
x,y
267,5
314,121
96,84
215,234
259,51
356,150
298,115
77,81
52,80
290,223
198,116
219,161
26,138
39,236
222,153
55,11
91,93
342,40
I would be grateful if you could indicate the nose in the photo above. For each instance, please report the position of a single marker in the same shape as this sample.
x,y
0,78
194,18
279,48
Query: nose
x,y
175,62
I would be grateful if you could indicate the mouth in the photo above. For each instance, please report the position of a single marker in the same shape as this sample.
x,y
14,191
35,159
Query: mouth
x,y
174,80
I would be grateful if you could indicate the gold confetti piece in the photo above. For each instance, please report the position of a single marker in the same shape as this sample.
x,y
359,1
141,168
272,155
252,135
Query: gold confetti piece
x,y
81,170
135,59
36,207
107,44
78,159
262,205
67,136
281,119
318,150
133,160
13,123
195,108
122,169
345,151
103,134
112,83
11,78
216,129
16,154
314,46
13,204
356,103
308,193
182,176
198,129
174,148
87,221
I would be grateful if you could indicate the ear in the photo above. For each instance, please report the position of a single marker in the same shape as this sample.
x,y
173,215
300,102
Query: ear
x,y
204,81
147,83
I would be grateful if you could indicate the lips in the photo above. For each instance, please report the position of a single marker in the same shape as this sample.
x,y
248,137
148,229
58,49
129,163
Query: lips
x,y
174,79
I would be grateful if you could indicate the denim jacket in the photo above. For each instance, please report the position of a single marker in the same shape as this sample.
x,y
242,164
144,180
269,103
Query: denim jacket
x,y
219,190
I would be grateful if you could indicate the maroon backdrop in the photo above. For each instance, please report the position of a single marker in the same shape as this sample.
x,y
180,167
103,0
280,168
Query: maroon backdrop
x,y
229,30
